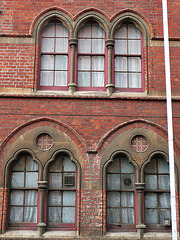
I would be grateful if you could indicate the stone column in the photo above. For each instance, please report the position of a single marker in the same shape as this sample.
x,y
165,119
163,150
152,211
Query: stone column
x,y
110,85
72,86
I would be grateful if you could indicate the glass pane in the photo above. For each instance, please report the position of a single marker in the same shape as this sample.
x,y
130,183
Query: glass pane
x,y
85,31
134,46
46,78
98,63
113,181
17,197
55,180
16,214
121,32
69,198
31,179
151,216
54,198
57,164
84,63
47,45
31,197
69,166
113,216
151,200
98,79
151,167
61,45
47,62
97,31
30,164
61,62
134,64
30,214
54,214
120,47
114,167
127,181
49,30
84,79
60,78
151,182
67,186
135,80
113,199
120,80
19,165
84,46
120,63
97,45
163,166
68,215
164,200
127,199
133,32
126,167
61,31
127,215
164,182
164,213
17,179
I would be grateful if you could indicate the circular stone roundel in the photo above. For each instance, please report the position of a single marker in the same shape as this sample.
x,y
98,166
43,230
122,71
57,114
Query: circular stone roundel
x,y
44,141
139,143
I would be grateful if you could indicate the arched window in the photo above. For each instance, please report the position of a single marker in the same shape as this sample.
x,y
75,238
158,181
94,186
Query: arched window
x,y
62,193
91,57
128,54
54,57
23,192
157,194
120,194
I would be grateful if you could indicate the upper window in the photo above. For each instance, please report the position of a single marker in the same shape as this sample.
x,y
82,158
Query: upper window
x,y
91,57
54,57
128,58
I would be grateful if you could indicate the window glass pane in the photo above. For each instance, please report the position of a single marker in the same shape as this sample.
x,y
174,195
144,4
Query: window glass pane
x,y
113,199
49,30
151,167
97,31
30,164
114,167
151,200
19,164
85,31
113,216
151,216
68,214
30,214
97,45
127,215
127,181
69,166
120,63
164,213
84,46
134,64
164,200
54,198
126,167
163,166
135,80
16,214
46,78
31,197
17,197
97,79
47,62
127,199
61,45
84,63
61,62
54,214
113,181
17,179
55,180
164,182
47,45
60,78
121,32
84,79
151,182
121,80
61,31
57,164
69,198
120,47
31,179
134,47
98,63
133,32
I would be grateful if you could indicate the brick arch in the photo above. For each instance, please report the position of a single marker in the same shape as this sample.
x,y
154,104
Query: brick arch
x,y
136,123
